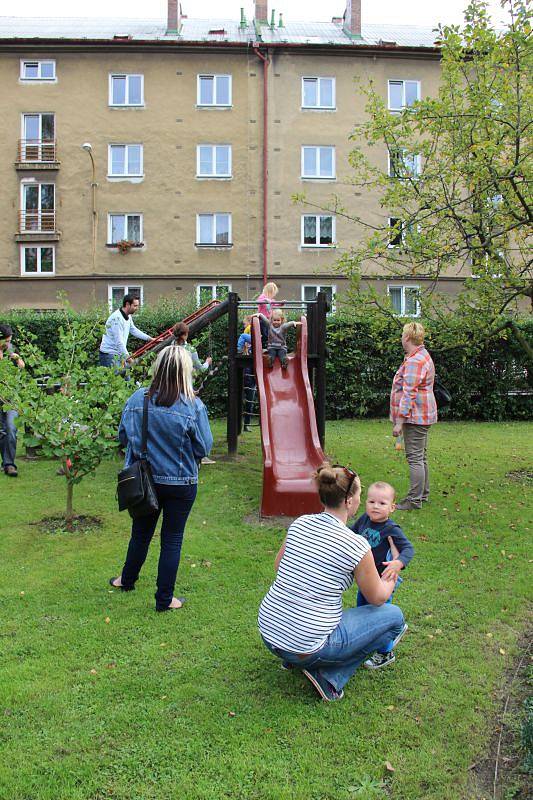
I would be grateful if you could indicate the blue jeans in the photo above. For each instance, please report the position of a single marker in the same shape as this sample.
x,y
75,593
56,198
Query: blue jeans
x,y
8,437
362,601
175,502
360,633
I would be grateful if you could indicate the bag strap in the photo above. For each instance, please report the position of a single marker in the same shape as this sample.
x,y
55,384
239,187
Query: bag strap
x,y
144,437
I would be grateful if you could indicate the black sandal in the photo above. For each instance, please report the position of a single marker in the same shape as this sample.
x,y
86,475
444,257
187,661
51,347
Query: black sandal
x,y
122,588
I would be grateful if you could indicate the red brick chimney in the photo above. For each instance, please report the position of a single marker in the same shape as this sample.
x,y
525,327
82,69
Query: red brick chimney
x,y
174,15
352,18
261,11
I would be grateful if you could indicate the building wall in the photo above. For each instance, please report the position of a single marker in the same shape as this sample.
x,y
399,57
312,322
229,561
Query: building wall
x,y
170,126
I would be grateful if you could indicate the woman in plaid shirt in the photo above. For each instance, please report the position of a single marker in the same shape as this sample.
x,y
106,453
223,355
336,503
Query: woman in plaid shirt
x,y
413,410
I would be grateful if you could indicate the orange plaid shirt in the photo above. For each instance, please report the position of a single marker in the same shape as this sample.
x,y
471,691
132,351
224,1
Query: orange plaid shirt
x,y
411,398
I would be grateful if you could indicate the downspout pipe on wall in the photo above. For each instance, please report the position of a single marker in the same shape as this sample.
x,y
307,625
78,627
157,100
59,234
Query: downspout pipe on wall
x,y
265,60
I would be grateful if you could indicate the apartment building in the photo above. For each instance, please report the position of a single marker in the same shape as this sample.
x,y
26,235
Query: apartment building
x,y
161,156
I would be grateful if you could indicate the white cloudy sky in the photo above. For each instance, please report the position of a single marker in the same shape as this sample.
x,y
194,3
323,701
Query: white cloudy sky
x,y
414,12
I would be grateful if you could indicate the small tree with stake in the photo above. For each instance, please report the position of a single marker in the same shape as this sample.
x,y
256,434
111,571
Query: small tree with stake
x,y
69,409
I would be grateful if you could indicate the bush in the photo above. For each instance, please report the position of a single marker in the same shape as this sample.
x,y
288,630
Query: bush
x,y
487,382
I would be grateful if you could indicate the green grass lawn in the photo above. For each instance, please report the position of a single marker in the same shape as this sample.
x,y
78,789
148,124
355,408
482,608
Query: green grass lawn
x,y
190,705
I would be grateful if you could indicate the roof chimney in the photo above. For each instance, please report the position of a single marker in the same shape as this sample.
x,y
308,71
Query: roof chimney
x,y
174,16
261,10
352,19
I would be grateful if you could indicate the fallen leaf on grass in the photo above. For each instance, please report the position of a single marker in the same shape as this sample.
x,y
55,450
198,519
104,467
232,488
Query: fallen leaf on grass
x,y
22,594
111,665
231,714
390,708
107,620
389,767
93,672
502,651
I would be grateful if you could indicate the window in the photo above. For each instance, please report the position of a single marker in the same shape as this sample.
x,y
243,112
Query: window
x,y
403,164
213,161
310,291
37,260
38,70
403,94
318,92
115,295
206,292
38,207
395,232
405,300
318,162
126,90
318,230
38,137
214,90
124,227
125,160
213,230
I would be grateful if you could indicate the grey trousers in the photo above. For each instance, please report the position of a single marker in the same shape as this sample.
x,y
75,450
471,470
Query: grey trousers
x,y
415,439
8,437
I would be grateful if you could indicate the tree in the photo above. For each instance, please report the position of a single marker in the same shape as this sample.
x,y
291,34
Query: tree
x,y
69,409
456,198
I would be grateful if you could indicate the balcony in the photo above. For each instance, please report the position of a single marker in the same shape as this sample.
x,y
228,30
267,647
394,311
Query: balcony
x,y
37,226
37,154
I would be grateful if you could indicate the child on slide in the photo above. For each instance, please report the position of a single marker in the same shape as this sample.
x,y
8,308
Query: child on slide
x,y
276,336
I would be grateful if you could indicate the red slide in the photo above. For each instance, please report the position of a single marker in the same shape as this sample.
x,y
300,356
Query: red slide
x,y
291,447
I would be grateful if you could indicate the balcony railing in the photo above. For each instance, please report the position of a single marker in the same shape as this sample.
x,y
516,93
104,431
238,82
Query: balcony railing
x,y
37,221
37,151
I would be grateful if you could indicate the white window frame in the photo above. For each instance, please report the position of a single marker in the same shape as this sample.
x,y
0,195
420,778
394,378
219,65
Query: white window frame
x,y
126,75
124,214
403,287
319,79
317,147
214,104
39,211
38,247
319,287
213,156
417,162
214,214
126,288
39,62
317,245
213,287
124,174
403,81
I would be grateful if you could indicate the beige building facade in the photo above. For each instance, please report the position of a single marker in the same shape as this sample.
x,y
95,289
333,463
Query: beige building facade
x,y
173,126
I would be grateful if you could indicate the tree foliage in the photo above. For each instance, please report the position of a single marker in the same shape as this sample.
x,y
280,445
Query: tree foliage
x,y
67,407
460,183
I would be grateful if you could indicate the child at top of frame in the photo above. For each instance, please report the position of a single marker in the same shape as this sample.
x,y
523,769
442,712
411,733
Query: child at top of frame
x,y
276,336
391,548
265,306
180,331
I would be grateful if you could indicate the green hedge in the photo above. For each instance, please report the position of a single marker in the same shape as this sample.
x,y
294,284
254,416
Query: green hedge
x,y
486,383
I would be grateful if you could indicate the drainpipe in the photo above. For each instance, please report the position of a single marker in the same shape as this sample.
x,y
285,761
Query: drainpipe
x,y
265,61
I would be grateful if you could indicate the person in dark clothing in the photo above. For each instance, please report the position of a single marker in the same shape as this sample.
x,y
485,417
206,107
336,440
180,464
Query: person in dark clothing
x,y
179,436
391,549
8,428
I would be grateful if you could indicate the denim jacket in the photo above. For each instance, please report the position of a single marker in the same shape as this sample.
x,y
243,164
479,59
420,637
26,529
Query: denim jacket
x,y
178,437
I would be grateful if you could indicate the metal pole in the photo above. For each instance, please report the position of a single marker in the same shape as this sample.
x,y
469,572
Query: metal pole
x,y
233,377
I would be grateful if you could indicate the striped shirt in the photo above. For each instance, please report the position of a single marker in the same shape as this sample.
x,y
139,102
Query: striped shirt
x,y
304,604
412,399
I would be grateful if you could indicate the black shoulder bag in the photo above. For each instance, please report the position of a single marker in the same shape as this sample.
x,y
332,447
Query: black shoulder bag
x,y
135,488
442,395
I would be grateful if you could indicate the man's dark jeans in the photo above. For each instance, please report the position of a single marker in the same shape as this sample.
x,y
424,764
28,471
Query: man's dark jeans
x,y
175,502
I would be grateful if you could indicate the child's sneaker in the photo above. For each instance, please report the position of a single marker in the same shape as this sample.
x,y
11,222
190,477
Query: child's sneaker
x,y
379,660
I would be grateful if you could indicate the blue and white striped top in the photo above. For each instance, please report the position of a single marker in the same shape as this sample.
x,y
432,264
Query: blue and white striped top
x,y
304,604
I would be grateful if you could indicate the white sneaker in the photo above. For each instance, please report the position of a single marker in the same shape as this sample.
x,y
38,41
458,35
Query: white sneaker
x,y
206,460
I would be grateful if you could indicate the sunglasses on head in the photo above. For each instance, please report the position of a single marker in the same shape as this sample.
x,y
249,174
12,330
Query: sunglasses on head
x,y
350,474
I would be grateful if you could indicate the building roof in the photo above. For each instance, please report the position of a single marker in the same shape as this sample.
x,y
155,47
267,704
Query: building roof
x,y
210,31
